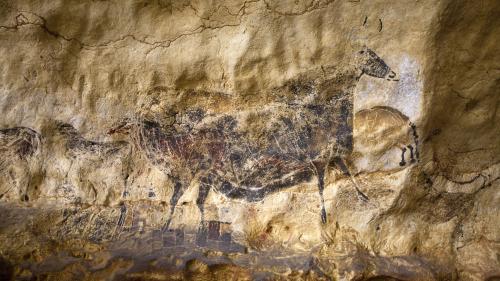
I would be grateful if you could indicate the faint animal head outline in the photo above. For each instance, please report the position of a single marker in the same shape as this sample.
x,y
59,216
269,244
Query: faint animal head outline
x,y
124,126
28,141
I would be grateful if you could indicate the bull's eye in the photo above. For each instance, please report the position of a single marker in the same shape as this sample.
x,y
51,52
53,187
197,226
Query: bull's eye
x,y
361,52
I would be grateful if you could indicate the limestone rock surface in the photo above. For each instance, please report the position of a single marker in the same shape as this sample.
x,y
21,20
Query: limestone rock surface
x,y
249,140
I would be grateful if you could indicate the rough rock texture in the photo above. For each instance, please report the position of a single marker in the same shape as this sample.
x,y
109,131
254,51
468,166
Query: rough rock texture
x,y
249,140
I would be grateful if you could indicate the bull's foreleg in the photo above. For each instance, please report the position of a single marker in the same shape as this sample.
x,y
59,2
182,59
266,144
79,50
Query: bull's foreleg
x,y
178,191
204,188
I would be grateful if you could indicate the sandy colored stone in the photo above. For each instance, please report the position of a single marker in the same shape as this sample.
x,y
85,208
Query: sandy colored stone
x,y
82,199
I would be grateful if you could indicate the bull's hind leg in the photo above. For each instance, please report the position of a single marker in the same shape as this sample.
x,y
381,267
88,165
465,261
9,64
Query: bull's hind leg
x,y
340,163
321,188
178,191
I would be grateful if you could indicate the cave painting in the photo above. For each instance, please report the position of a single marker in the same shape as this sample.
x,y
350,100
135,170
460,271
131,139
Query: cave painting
x,y
381,128
19,142
80,148
251,154
17,145
291,141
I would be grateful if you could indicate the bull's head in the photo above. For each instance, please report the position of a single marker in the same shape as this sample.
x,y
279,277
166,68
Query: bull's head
x,y
372,65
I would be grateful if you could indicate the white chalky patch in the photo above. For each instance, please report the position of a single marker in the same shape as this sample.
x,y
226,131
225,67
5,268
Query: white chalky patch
x,y
404,95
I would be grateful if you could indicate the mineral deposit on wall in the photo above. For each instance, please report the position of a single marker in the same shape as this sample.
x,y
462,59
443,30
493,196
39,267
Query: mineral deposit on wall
x,y
249,140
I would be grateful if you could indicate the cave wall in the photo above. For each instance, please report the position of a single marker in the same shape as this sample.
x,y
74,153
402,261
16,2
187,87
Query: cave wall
x,y
265,139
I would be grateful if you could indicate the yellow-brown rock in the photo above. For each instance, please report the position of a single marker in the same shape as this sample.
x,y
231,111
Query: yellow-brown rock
x,y
249,140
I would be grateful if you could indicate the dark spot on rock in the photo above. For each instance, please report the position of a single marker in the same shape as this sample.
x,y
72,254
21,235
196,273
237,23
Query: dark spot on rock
x,y
471,104
269,229
6,270
432,134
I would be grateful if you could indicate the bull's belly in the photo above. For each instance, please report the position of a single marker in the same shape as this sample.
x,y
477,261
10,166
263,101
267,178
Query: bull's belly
x,y
266,171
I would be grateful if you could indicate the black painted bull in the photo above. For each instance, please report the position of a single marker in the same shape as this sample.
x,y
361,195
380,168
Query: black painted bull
x,y
299,139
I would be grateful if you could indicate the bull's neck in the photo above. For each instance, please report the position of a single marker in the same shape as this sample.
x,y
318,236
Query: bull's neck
x,y
338,87
145,139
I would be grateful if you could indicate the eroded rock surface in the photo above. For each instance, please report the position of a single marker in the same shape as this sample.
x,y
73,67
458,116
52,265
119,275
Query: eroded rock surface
x,y
249,140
